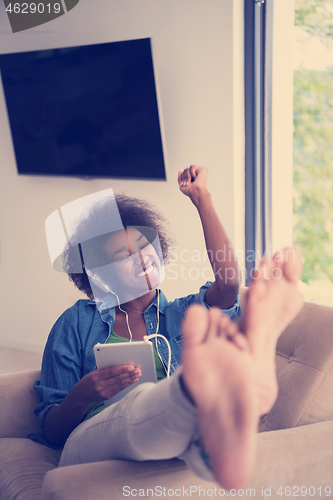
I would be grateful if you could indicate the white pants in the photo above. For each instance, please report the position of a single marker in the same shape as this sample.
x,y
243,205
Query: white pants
x,y
152,422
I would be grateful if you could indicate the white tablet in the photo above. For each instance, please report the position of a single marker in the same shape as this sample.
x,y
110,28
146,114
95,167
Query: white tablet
x,y
139,354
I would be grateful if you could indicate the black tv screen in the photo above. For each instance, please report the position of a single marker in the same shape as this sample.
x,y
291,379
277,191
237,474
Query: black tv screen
x,y
88,111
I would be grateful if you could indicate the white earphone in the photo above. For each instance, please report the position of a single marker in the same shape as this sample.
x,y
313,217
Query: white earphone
x,y
100,283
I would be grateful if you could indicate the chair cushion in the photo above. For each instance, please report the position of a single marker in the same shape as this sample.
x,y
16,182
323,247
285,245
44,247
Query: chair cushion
x,y
305,371
23,465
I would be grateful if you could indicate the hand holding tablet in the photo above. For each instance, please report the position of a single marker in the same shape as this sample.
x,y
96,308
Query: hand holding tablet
x,y
139,354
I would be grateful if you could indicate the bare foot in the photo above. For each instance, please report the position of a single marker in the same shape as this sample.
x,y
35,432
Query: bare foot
x,y
273,301
219,374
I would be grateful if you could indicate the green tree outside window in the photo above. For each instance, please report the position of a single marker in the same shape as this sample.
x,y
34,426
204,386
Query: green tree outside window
x,y
313,152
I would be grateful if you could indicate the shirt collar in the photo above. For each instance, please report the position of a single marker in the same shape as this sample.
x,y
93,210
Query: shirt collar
x,y
106,304
161,300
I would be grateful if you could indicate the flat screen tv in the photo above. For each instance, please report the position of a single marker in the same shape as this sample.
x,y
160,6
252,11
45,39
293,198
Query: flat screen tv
x,y
87,111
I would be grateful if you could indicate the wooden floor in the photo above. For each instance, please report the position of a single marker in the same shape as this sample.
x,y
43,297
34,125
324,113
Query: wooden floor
x,y
18,361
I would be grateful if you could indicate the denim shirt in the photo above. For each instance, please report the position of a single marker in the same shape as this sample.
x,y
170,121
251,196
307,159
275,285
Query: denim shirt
x,y
69,354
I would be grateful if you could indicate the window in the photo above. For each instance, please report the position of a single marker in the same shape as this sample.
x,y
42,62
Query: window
x,y
313,146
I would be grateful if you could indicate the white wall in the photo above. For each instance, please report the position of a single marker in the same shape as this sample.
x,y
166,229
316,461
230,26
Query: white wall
x,y
198,62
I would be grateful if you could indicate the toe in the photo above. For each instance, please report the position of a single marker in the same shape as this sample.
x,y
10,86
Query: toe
x,y
258,286
292,267
227,328
195,325
223,327
230,330
241,342
214,320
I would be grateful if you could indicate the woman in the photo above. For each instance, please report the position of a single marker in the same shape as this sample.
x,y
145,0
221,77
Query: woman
x,y
128,305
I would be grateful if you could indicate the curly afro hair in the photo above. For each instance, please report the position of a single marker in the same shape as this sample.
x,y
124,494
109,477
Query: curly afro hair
x,y
132,211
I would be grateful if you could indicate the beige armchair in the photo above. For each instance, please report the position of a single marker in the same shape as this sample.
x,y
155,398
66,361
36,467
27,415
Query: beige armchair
x,y
296,451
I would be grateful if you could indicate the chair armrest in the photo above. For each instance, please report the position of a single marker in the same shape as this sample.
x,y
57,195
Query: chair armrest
x,y
302,456
111,479
18,400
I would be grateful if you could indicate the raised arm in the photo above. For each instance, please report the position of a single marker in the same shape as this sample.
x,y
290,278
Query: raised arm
x,y
223,292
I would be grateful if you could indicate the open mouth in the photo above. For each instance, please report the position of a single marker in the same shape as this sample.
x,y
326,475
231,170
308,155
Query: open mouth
x,y
148,270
